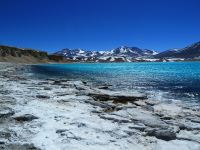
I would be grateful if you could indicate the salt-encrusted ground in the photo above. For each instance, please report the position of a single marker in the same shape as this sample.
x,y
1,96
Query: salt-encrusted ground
x,y
52,114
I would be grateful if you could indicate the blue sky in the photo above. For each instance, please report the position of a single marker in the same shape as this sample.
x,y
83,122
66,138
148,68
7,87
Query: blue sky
x,y
99,24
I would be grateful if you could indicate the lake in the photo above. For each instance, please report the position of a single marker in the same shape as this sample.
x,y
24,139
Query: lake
x,y
160,80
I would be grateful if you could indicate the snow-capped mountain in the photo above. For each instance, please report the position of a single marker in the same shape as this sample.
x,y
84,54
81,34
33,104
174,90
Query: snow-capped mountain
x,y
122,53
189,52
129,54
132,51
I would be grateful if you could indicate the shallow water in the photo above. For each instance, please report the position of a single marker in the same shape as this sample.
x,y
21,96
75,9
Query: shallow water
x,y
165,81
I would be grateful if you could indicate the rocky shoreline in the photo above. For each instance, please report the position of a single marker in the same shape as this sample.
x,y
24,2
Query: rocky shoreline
x,y
58,114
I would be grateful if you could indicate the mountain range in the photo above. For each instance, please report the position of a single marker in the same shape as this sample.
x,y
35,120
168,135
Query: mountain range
x,y
119,54
122,53
130,54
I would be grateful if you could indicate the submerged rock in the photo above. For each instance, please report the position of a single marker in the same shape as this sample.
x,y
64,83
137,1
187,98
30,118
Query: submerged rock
x,y
61,130
2,142
26,117
43,82
47,88
181,126
43,96
195,120
84,82
57,82
103,87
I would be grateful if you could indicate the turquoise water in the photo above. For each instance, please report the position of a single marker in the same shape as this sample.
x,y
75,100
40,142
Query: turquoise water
x,y
178,80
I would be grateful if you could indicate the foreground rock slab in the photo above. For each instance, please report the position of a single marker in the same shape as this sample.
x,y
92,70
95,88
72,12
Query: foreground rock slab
x,y
58,114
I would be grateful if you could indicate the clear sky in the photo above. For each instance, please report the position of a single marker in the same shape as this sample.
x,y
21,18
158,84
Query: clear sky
x,y
99,24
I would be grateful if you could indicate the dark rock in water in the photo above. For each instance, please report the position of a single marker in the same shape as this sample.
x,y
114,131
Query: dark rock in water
x,y
43,96
43,82
195,120
81,125
50,79
58,82
2,142
47,88
26,117
103,87
19,146
61,130
84,82
23,83
164,134
63,87
166,118
115,98
182,126
123,99
6,112
64,80
62,94
95,111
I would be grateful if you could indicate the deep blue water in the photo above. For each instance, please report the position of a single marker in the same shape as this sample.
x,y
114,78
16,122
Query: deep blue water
x,y
176,80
